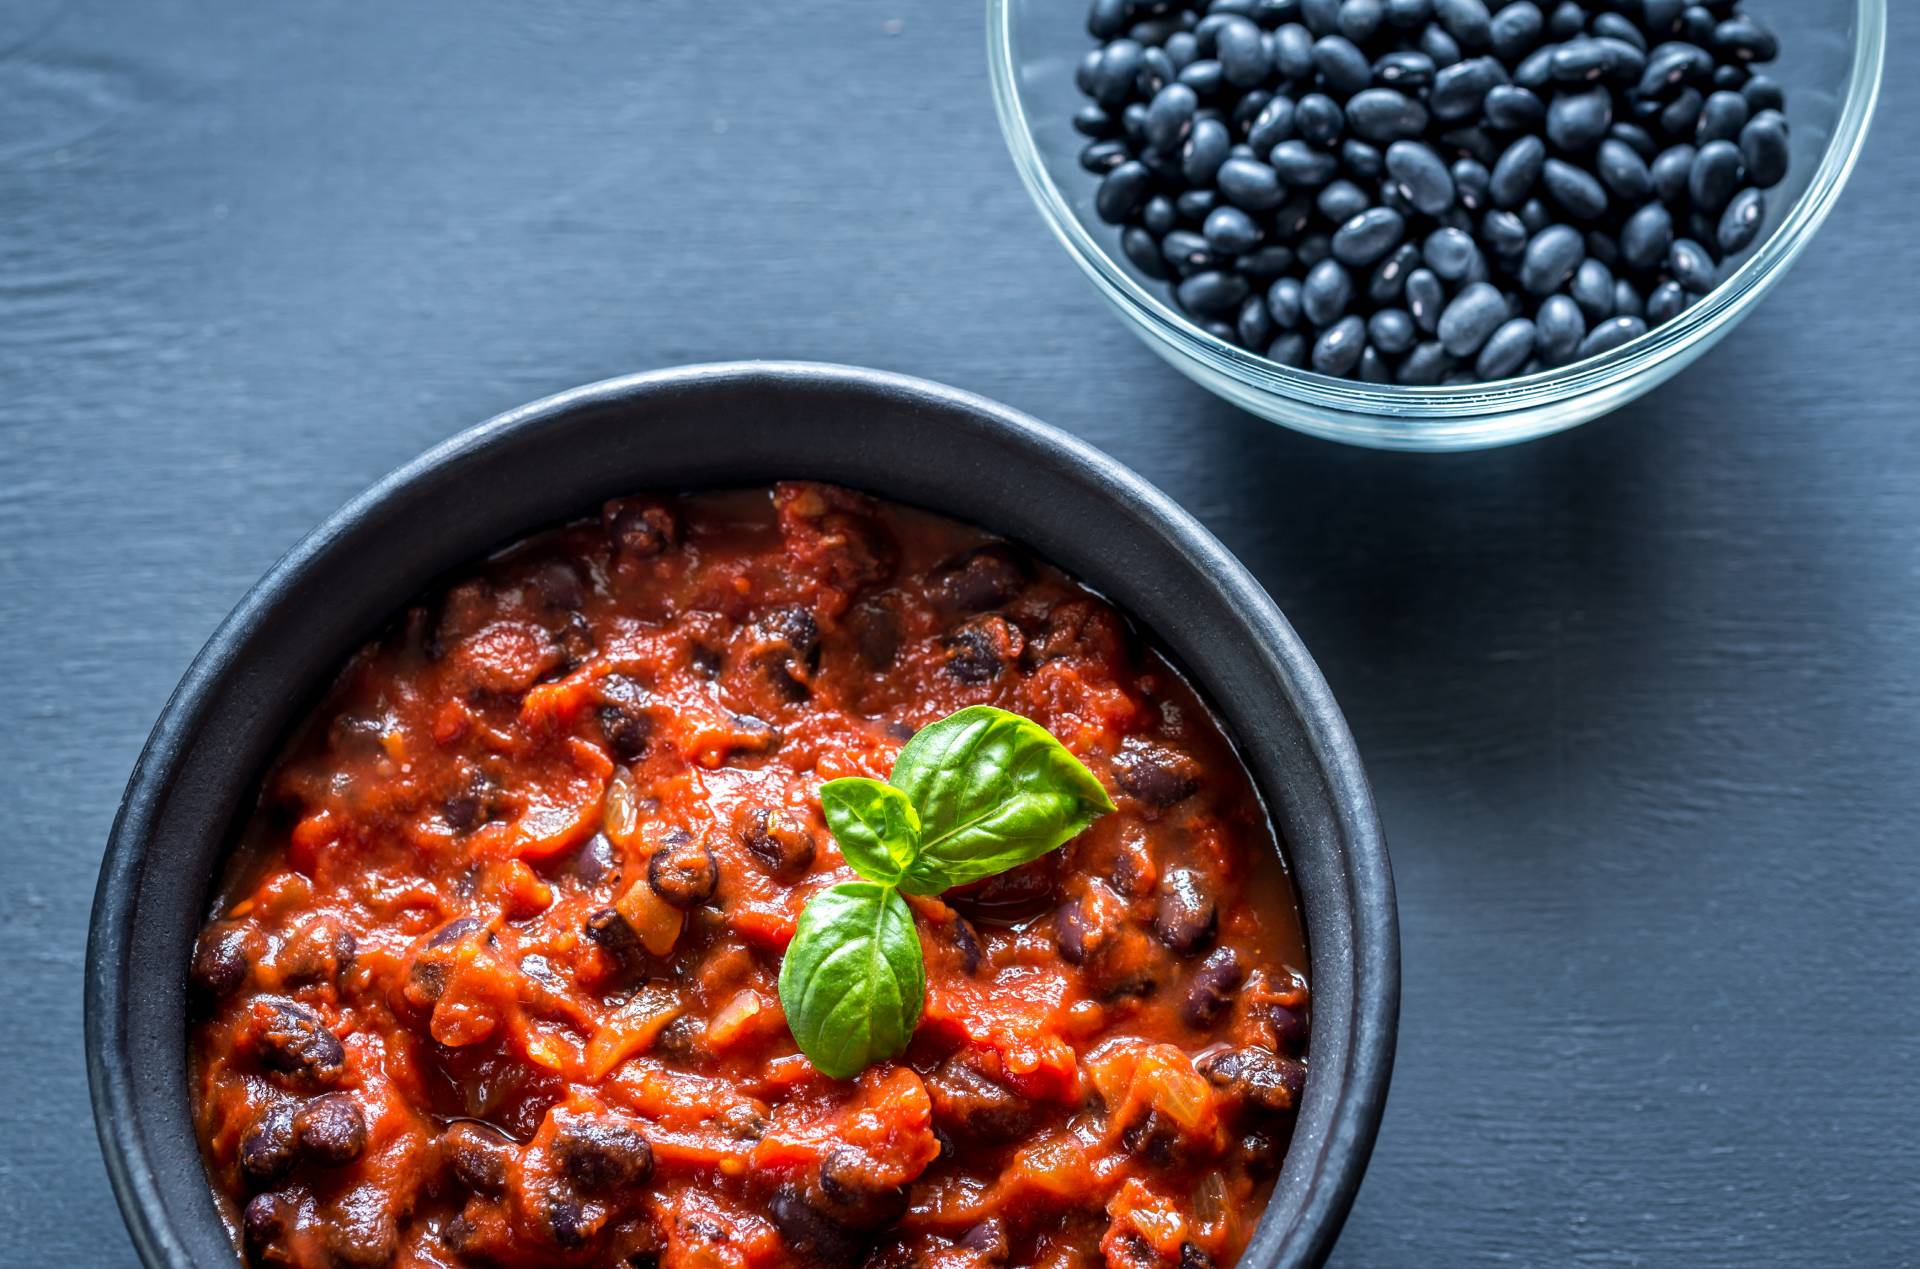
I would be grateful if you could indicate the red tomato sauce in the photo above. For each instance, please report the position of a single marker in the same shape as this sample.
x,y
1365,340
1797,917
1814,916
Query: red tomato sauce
x,y
491,979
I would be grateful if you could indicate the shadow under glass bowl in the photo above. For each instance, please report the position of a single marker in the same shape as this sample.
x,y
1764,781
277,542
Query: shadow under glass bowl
x,y
723,426
1831,52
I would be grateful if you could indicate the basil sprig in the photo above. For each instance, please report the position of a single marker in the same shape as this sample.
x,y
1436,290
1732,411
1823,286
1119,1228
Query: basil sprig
x,y
975,794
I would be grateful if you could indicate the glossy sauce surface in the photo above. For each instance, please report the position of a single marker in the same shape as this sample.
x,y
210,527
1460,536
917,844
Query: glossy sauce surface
x,y
491,980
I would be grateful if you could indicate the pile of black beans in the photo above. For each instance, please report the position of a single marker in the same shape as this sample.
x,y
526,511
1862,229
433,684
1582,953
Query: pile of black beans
x,y
1431,191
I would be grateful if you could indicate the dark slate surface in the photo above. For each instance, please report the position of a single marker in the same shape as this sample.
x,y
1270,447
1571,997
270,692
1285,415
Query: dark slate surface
x,y
1642,703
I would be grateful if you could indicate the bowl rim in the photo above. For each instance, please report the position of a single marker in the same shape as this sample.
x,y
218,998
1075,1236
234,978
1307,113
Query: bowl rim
x,y
1336,1158
1444,416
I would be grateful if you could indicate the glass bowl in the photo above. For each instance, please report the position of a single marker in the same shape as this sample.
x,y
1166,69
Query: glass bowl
x,y
1830,63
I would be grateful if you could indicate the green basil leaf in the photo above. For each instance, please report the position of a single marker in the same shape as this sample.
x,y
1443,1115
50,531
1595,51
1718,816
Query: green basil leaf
x,y
876,826
853,982
993,790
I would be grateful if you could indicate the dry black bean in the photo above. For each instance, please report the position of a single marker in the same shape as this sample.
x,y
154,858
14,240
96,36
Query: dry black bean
x,y
1579,62
1611,334
1189,252
1671,170
1391,330
1299,164
1763,92
1503,233
1437,44
1512,108
1143,250
1515,30
1254,186
1667,302
1113,76
1472,316
1327,291
1741,222
1284,303
1263,264
1363,160
1274,124
1535,71
1195,205
1203,76
1337,351
1681,117
1215,293
1253,326
1516,171
1459,89
1426,299
1577,191
1506,350
1551,259
1421,176
1635,137
1617,26
1626,300
1369,236
1385,115
1360,19
1592,290
1293,52
1108,18
1449,253
1622,170
1576,120
1123,190
1389,280
1319,120
1467,21
1745,40
1560,328
1691,266
1170,116
1340,201
1645,237
1661,18
1424,366
1763,146
1289,349
1341,64
1672,65
1230,230
1243,53
1408,14
1715,177
1722,117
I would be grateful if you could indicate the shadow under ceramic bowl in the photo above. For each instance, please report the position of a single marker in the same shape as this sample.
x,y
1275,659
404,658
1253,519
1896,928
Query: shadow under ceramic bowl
x,y
708,427
1831,52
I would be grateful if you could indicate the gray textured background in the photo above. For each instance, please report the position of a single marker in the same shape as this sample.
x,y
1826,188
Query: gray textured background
x,y
1640,701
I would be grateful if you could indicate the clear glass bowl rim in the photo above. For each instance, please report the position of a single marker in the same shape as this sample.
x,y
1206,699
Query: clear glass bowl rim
x,y
1390,414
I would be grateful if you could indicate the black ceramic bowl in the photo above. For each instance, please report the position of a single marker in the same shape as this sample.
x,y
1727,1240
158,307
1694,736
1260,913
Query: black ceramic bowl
x,y
708,426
